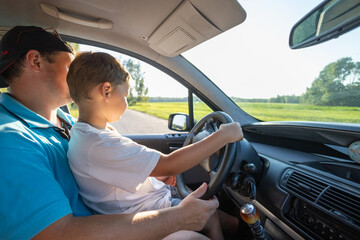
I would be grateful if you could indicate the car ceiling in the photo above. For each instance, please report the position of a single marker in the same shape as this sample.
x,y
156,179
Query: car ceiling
x,y
134,21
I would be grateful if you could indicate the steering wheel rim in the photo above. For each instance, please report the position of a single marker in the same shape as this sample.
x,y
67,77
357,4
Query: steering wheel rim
x,y
216,178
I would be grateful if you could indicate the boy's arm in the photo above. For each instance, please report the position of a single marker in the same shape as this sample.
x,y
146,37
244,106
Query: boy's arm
x,y
191,155
191,214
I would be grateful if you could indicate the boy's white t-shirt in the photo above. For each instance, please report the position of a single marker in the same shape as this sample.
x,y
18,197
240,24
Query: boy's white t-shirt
x,y
113,172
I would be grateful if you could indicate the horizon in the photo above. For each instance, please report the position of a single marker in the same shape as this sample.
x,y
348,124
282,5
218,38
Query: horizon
x,y
257,59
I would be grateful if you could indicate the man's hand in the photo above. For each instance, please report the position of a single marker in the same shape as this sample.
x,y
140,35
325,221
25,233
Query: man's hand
x,y
197,211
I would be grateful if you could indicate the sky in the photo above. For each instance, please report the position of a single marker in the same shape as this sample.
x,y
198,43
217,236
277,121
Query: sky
x,y
254,60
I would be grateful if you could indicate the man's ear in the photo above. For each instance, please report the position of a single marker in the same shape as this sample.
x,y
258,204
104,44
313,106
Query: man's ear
x,y
32,59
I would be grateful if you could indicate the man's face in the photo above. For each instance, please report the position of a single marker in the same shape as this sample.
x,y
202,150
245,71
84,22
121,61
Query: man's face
x,y
56,76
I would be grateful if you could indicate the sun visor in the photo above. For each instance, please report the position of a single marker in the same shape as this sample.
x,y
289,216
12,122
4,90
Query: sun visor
x,y
3,30
189,26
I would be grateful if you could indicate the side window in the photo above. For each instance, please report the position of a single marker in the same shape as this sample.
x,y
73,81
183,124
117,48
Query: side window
x,y
200,108
3,90
154,96
164,96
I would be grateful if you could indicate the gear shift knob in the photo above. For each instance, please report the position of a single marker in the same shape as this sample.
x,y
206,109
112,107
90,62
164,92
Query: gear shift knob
x,y
249,213
251,216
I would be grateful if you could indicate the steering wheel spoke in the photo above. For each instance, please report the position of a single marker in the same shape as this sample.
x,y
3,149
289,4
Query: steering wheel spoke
x,y
218,174
212,174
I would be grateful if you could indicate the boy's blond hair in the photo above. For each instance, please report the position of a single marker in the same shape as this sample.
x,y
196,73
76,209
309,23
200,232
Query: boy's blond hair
x,y
90,69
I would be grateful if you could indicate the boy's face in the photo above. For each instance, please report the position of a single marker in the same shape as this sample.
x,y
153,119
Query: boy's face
x,y
118,101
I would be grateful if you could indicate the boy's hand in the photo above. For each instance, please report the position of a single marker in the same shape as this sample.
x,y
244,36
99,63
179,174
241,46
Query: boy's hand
x,y
232,132
195,211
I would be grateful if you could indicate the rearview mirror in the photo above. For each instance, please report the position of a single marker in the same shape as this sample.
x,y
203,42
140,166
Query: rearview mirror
x,y
179,122
328,20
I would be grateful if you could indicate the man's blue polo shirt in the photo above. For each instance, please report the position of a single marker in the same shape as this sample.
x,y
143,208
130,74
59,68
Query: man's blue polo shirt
x,y
36,184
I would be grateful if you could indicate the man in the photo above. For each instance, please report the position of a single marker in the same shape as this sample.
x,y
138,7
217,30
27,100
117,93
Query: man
x,y
39,197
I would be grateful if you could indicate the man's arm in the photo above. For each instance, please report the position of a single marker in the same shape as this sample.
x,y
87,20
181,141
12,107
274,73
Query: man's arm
x,y
191,214
191,155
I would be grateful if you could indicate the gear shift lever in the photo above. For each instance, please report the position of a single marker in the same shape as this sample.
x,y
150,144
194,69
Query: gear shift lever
x,y
251,216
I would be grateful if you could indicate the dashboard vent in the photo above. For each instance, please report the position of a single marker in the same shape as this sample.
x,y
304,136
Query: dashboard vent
x,y
342,204
305,186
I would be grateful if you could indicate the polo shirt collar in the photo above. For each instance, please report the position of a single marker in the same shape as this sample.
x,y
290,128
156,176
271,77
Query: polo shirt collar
x,y
32,119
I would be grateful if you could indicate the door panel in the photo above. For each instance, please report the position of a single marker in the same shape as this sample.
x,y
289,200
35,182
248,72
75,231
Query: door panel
x,y
164,143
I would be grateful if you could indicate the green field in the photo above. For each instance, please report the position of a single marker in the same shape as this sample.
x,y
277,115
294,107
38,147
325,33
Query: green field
x,y
164,109
262,111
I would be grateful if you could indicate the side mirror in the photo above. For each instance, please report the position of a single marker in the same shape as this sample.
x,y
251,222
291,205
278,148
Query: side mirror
x,y
179,122
328,20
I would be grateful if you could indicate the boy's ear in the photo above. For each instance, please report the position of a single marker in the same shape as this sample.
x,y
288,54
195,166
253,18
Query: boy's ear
x,y
105,90
33,59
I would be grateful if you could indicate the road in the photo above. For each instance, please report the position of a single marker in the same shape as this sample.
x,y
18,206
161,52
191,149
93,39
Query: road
x,y
134,122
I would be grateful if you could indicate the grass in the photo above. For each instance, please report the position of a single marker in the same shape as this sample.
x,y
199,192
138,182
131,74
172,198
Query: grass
x,y
161,109
300,112
164,109
262,111
74,111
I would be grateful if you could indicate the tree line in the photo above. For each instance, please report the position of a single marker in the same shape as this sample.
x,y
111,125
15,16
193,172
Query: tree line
x,y
139,87
338,84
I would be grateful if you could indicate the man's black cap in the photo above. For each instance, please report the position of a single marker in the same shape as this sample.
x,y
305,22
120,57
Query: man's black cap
x,y
20,39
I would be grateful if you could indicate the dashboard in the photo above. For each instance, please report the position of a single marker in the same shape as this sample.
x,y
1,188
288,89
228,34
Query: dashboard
x,y
307,186
304,195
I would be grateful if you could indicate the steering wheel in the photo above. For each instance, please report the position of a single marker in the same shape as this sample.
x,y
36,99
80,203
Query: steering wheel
x,y
218,172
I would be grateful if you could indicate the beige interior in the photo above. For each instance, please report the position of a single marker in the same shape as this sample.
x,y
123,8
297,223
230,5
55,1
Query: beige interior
x,y
168,27
156,31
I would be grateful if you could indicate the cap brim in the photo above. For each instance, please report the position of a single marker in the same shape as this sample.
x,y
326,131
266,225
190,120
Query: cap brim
x,y
3,66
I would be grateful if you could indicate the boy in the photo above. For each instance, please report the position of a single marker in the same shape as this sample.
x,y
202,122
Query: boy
x,y
114,174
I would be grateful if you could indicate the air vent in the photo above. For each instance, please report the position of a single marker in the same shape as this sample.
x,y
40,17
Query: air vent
x,y
305,186
342,204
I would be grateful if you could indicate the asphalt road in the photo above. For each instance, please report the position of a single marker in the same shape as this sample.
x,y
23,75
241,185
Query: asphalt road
x,y
134,122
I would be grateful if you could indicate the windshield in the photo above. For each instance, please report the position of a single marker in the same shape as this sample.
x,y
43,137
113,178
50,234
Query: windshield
x,y
254,65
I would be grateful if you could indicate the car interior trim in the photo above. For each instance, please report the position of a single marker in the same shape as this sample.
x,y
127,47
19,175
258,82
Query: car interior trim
x,y
95,23
277,221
